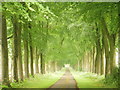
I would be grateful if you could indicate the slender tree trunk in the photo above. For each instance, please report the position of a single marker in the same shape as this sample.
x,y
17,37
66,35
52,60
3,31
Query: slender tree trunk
x,y
49,66
5,75
42,64
82,64
15,28
102,59
119,44
112,53
98,52
37,58
119,54
19,52
88,62
26,52
91,61
31,56
26,60
93,67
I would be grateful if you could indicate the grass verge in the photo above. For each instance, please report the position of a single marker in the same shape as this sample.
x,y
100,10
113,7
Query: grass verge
x,y
90,80
39,81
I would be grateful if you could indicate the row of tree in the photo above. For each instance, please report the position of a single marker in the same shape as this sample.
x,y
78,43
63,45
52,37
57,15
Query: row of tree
x,y
24,40
100,55
42,37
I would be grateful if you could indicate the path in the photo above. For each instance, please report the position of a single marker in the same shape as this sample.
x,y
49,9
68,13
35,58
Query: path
x,y
66,81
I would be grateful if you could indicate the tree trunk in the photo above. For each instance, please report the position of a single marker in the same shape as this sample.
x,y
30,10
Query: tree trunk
x,y
88,62
98,52
31,55
93,67
5,75
91,61
119,54
19,52
15,28
37,58
26,52
106,45
49,66
26,60
112,53
110,44
119,44
102,59
42,64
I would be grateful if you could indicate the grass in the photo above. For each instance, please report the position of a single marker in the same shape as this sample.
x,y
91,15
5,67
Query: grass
x,y
40,81
90,80
83,79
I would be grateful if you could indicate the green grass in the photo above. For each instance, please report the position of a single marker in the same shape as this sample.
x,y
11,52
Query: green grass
x,y
40,81
90,80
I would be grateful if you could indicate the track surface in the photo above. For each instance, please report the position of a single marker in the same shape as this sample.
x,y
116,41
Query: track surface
x,y
66,81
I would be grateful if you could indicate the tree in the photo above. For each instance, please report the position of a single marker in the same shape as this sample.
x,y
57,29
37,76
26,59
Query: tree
x,y
119,43
5,75
15,35
20,64
26,51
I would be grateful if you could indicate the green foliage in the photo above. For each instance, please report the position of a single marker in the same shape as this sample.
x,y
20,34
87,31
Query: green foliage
x,y
4,86
112,78
63,32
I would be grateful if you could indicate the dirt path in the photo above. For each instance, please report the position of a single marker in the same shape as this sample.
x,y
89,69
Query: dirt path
x,y
66,81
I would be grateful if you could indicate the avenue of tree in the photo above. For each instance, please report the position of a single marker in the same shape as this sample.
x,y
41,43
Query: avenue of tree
x,y
41,37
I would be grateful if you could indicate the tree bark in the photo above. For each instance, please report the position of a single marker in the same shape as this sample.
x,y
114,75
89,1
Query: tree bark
x,y
31,55
26,60
93,67
42,64
102,58
98,52
15,28
37,58
119,44
106,45
19,52
26,52
5,75
112,52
